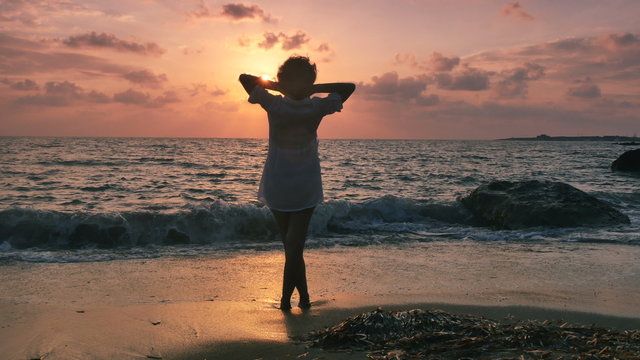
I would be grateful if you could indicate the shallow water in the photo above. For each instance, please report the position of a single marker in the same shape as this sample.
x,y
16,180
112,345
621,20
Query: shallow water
x,y
204,190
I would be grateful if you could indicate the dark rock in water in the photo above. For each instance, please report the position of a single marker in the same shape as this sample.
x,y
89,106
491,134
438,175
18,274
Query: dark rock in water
x,y
522,204
629,161
175,237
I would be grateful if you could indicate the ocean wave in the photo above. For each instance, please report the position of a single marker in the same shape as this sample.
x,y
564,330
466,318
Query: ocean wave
x,y
221,225
217,222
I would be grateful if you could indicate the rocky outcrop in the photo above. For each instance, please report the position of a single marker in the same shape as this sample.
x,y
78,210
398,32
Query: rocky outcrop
x,y
523,204
629,161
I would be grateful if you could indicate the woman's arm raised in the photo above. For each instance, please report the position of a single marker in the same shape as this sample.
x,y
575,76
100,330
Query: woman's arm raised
x,y
343,89
249,82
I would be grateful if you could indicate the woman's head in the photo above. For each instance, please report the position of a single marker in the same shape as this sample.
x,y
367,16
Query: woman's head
x,y
297,69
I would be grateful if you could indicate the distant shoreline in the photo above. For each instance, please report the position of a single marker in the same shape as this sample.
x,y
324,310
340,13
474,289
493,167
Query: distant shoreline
x,y
577,138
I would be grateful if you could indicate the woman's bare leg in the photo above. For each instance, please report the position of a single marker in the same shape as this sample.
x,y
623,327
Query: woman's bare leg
x,y
294,226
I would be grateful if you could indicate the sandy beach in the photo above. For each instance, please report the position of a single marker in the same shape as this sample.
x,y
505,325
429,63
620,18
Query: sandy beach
x,y
224,306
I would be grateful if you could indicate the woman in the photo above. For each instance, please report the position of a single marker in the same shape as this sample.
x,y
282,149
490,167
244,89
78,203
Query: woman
x,y
291,184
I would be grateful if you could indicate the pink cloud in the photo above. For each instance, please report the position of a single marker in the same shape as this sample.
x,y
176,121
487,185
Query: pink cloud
x,y
201,88
324,47
33,13
436,62
608,56
16,61
514,82
17,11
469,79
390,87
134,97
62,93
585,90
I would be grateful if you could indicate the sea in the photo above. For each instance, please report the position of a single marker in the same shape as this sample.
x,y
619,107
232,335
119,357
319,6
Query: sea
x,y
75,199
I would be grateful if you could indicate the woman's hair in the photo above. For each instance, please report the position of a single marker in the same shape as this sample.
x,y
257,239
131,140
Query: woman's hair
x,y
297,67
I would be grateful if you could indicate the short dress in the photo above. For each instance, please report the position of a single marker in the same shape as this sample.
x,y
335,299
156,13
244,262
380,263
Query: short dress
x,y
291,179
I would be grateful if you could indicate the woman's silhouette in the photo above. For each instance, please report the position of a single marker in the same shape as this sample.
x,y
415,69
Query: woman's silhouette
x,y
291,184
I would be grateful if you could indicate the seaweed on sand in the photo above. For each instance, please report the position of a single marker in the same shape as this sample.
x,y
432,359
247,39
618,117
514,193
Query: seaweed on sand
x,y
436,334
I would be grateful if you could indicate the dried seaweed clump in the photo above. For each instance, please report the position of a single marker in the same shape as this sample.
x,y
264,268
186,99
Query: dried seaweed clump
x,y
436,334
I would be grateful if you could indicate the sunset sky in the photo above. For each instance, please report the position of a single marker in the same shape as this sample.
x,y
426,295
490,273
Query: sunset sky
x,y
426,69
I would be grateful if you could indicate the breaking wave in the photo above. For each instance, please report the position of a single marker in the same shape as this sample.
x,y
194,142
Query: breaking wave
x,y
217,223
39,235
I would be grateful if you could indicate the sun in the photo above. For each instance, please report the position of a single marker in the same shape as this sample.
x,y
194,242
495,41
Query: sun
x,y
264,77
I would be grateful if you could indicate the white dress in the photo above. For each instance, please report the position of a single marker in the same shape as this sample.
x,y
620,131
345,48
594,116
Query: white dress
x,y
291,179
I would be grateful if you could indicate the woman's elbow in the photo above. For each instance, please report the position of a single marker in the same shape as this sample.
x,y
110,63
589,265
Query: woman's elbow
x,y
348,90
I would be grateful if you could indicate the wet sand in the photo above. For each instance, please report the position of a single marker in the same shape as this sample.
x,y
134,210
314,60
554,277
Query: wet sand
x,y
224,306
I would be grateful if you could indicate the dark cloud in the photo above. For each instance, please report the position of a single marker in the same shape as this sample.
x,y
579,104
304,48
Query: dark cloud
x,y
608,56
469,78
514,8
139,98
167,97
65,93
24,85
131,96
585,90
286,42
514,82
234,12
442,63
238,11
146,78
294,41
618,41
270,40
62,93
21,56
436,62
110,41
390,87
97,97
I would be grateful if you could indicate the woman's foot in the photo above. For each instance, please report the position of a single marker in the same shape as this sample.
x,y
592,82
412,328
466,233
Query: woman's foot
x,y
304,303
285,305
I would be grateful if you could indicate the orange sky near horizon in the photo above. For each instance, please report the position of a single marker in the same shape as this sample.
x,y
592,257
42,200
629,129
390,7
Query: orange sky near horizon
x,y
425,69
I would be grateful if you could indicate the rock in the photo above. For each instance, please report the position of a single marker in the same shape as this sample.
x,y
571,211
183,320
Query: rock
x,y
629,161
522,204
175,237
